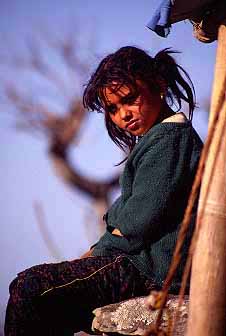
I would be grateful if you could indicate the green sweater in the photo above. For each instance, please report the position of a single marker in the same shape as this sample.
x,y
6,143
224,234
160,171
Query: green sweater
x,y
155,187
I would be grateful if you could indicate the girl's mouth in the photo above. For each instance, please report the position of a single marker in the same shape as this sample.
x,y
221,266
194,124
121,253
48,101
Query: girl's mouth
x,y
133,125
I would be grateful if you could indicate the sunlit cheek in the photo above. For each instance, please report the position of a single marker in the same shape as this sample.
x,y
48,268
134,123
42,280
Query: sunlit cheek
x,y
115,120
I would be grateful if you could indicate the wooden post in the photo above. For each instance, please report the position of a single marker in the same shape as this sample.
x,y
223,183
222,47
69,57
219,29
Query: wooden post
x,y
207,307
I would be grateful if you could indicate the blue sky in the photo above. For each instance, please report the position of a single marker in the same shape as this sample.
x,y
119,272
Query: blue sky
x,y
25,170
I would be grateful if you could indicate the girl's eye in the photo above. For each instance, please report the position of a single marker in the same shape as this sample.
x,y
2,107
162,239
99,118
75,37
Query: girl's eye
x,y
131,99
111,109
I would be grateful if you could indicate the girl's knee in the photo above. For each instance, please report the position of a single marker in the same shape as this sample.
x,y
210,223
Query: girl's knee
x,y
13,285
25,285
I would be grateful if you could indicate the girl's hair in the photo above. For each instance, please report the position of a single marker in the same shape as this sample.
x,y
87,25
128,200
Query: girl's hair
x,y
127,65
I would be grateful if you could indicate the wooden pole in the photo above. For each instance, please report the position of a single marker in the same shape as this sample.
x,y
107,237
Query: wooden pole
x,y
207,307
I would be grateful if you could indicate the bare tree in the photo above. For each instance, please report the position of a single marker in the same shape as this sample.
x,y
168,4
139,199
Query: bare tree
x,y
62,130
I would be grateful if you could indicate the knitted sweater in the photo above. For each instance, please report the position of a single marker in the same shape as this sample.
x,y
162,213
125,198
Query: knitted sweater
x,y
155,187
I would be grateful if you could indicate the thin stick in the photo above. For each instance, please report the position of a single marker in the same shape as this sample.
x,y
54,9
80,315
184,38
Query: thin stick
x,y
52,247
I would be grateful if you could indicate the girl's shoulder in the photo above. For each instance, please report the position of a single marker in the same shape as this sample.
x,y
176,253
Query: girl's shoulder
x,y
171,126
172,131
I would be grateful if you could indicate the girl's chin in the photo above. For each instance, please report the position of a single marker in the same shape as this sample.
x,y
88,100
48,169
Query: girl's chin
x,y
139,132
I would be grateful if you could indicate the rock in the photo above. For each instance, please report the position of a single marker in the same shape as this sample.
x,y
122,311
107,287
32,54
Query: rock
x,y
133,317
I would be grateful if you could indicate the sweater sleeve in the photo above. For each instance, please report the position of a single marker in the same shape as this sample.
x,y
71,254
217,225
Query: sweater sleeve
x,y
157,189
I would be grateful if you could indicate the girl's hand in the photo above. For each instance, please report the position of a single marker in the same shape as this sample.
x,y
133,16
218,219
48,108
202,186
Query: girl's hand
x,y
87,254
117,232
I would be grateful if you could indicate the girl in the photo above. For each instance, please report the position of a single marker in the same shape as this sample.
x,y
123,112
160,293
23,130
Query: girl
x,y
139,96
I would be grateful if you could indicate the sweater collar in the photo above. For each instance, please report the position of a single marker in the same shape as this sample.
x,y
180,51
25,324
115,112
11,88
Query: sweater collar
x,y
176,118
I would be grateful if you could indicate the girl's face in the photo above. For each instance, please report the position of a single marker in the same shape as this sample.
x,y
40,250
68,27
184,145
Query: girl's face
x,y
135,114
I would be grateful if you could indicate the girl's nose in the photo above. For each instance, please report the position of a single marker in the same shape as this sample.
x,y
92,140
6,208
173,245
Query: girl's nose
x,y
125,113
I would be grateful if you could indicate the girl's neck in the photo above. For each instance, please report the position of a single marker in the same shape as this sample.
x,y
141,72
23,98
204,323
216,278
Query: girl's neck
x,y
165,112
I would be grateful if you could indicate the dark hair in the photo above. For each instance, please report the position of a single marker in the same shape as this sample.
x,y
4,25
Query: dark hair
x,y
127,65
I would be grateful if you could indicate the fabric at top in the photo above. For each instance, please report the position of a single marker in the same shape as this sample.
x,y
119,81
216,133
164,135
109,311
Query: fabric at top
x,y
207,15
160,21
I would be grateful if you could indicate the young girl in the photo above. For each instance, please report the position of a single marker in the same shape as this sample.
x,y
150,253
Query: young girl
x,y
139,96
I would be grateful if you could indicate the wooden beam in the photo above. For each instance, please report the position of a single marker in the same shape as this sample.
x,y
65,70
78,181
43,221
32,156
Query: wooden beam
x,y
207,307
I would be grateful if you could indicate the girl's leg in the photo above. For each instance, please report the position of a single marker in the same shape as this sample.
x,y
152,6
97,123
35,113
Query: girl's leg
x,y
58,299
25,314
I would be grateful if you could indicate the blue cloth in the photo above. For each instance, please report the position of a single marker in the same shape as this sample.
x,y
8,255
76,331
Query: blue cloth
x,y
160,21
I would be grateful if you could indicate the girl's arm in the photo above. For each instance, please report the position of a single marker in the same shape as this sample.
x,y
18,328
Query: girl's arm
x,y
160,189
87,254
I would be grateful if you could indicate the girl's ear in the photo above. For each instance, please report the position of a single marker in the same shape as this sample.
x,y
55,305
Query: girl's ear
x,y
162,86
